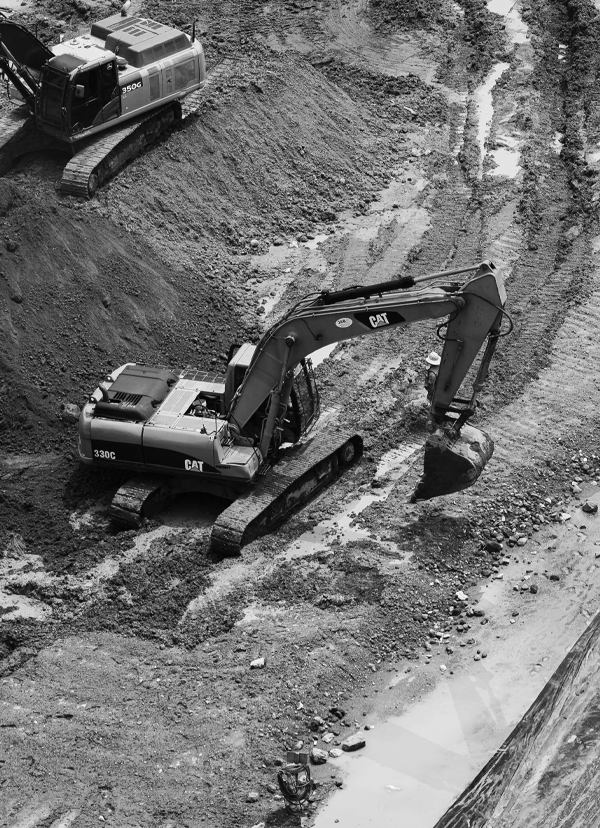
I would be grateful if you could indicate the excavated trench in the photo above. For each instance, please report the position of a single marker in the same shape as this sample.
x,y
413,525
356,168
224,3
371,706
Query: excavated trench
x,y
353,142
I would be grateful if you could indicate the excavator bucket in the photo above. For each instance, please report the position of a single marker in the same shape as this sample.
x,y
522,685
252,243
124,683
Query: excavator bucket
x,y
452,463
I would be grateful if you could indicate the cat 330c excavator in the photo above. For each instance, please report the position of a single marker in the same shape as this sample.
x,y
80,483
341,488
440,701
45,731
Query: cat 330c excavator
x,y
227,435
102,96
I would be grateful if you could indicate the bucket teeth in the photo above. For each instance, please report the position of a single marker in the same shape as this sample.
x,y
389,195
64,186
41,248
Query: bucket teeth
x,y
452,463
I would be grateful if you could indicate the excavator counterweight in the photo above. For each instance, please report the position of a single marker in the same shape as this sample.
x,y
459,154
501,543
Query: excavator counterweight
x,y
246,436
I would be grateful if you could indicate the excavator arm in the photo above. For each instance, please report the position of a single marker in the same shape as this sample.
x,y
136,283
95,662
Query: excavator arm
x,y
22,57
474,313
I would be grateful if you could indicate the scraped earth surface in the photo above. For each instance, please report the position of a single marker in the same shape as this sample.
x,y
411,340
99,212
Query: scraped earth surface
x,y
348,143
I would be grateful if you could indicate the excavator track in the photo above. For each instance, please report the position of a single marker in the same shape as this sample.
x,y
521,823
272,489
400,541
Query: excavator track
x,y
96,163
142,497
286,487
99,160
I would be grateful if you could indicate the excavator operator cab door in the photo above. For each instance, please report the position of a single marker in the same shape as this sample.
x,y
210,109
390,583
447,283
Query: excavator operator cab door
x,y
303,408
94,97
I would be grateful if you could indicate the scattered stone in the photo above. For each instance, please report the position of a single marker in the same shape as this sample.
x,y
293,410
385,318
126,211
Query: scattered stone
x,y
69,412
316,722
337,712
327,737
443,668
533,588
521,541
318,756
354,742
554,577
106,301
494,546
253,796
254,243
258,663
335,753
461,596
590,508
12,245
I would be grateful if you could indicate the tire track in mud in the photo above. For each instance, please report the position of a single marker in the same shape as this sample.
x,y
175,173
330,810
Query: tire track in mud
x,y
352,34
49,814
555,341
562,398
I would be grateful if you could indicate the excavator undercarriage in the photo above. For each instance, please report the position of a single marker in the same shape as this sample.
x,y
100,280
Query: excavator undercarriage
x,y
256,508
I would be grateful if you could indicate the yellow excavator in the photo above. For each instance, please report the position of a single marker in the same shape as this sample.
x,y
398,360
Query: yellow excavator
x,y
101,96
245,436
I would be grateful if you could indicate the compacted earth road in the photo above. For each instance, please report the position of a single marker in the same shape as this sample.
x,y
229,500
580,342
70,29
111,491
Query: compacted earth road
x,y
346,143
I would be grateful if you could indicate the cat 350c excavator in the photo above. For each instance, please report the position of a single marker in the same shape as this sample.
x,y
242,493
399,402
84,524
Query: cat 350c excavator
x,y
227,435
102,96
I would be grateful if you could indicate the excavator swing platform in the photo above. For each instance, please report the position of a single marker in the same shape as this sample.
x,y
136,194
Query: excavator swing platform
x,y
248,436
102,97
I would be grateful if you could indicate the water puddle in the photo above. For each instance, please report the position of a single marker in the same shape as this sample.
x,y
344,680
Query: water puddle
x,y
507,159
11,6
415,765
312,244
485,107
342,526
515,26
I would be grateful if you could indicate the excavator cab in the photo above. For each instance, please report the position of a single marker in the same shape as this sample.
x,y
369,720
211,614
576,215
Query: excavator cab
x,y
74,97
302,408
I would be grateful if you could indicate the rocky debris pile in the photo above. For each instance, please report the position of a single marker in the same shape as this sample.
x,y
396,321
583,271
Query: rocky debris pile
x,y
407,98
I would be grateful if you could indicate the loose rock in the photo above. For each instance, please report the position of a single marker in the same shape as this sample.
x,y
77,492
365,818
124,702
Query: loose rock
x,y
354,742
318,756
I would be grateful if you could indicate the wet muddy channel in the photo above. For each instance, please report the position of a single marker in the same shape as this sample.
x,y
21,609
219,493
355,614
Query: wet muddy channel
x,y
454,713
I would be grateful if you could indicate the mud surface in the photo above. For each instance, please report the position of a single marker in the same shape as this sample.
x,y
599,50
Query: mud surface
x,y
350,142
